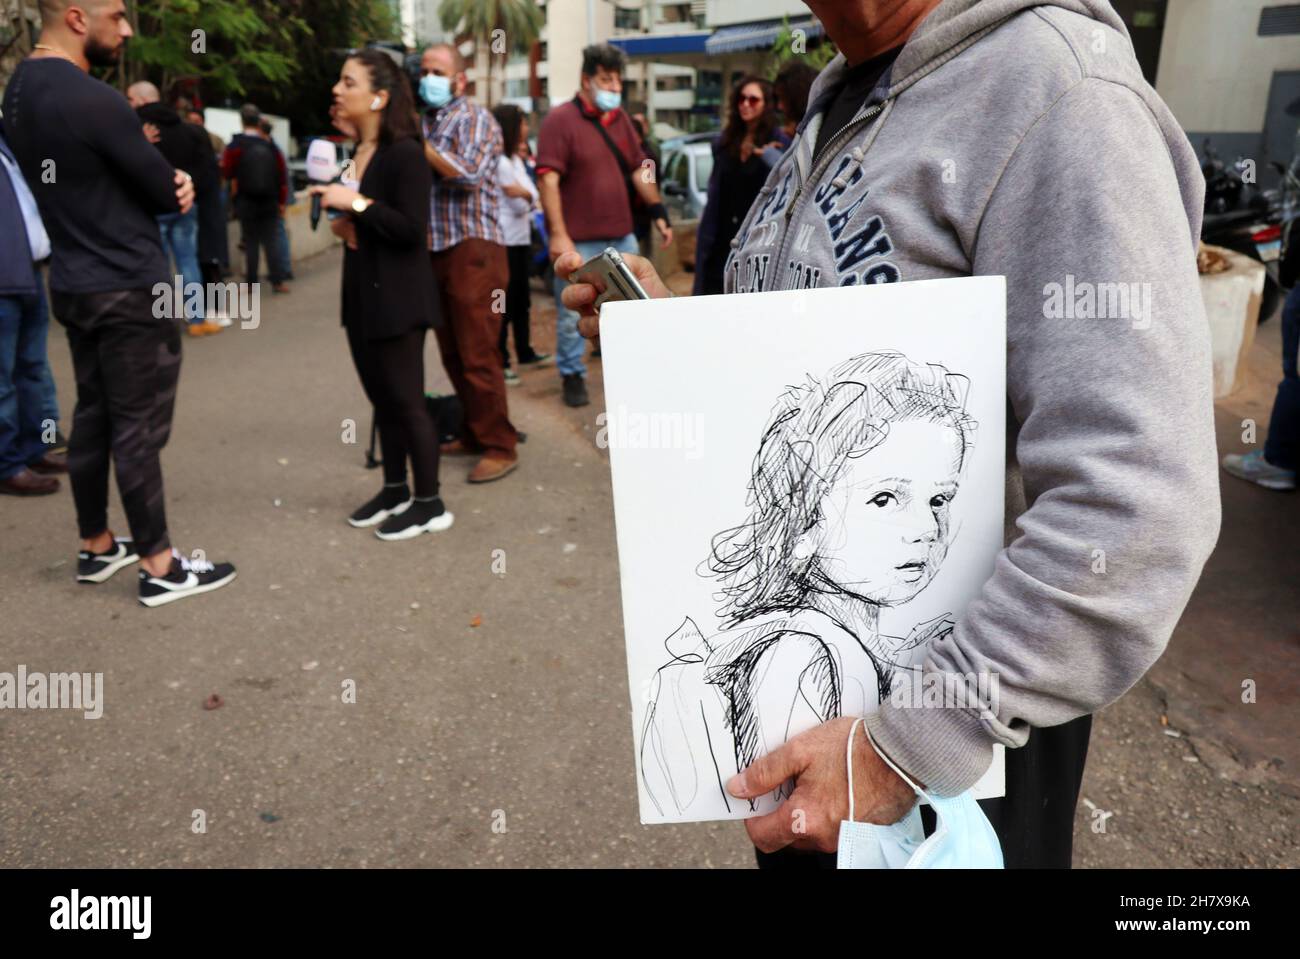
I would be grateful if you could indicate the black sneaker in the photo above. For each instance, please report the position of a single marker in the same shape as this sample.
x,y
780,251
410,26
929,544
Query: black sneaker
x,y
537,360
187,577
97,567
575,390
423,516
391,501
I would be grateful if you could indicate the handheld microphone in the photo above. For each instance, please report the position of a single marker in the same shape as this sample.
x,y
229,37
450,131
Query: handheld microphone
x,y
322,167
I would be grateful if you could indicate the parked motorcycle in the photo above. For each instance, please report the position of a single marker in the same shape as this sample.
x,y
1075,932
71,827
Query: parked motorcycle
x,y
1260,224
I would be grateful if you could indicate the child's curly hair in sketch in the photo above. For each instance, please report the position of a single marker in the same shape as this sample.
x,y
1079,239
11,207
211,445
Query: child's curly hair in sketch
x,y
871,453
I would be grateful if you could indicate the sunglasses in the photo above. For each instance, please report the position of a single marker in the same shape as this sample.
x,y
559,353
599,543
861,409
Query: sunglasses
x,y
748,98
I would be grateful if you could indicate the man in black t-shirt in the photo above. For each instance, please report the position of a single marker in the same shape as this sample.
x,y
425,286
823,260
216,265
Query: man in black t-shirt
x,y
99,184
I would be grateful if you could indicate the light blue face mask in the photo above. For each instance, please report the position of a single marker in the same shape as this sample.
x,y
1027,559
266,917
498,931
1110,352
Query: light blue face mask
x,y
606,100
963,837
435,90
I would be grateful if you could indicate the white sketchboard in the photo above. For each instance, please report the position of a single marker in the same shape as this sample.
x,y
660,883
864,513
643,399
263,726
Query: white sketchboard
x,y
808,489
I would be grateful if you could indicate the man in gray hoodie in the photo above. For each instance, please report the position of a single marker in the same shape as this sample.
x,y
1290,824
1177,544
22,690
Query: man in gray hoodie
x,y
1016,138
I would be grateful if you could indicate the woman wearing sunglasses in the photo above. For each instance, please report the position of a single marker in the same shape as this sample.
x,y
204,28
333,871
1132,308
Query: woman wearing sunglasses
x,y
738,175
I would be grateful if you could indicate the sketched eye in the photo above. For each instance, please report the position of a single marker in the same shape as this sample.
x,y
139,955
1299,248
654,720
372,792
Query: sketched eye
x,y
940,500
882,499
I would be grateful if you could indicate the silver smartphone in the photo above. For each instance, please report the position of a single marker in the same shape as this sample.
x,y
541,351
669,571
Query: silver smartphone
x,y
611,277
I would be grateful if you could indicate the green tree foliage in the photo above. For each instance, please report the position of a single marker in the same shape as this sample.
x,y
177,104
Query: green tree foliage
x,y
283,55
501,27
791,45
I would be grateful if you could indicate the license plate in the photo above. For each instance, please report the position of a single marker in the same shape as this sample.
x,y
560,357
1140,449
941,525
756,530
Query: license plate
x,y
1268,252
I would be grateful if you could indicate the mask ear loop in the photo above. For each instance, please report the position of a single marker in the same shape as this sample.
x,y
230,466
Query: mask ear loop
x,y
890,763
848,760
848,765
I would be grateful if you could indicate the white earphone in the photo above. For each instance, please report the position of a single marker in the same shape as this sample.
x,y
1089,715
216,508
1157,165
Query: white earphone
x,y
375,104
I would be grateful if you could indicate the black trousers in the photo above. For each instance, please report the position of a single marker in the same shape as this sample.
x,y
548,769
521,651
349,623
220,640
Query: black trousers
x,y
262,231
127,363
517,307
1034,820
392,374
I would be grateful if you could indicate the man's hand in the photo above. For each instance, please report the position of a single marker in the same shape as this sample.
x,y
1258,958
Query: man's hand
x,y
811,817
152,133
184,190
560,244
344,228
665,231
580,297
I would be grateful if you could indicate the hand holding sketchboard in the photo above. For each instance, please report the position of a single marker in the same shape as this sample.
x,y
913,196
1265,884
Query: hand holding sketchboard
x,y
808,491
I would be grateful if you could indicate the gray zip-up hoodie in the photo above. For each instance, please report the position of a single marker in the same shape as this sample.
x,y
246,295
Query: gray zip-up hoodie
x,y
1018,137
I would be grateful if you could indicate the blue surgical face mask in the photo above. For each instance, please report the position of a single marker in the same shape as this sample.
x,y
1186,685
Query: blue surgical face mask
x,y
435,90
606,100
963,837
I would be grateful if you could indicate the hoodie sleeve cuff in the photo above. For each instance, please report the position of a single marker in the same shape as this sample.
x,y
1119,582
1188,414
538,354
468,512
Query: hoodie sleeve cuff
x,y
944,750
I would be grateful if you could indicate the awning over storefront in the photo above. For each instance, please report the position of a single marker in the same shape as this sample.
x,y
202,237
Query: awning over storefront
x,y
662,44
756,36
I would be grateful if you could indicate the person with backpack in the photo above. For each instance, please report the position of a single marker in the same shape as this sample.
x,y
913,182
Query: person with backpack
x,y
260,183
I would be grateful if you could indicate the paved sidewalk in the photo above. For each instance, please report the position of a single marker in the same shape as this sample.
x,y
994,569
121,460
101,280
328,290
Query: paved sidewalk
x,y
526,713
523,717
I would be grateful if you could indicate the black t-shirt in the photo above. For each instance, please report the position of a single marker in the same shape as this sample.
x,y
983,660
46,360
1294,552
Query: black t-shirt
x,y
98,182
852,92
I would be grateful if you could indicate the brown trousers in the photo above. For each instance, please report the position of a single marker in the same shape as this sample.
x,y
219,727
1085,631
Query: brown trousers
x,y
472,276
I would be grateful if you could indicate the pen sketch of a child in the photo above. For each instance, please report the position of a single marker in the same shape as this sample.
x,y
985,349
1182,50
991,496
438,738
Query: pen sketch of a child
x,y
848,513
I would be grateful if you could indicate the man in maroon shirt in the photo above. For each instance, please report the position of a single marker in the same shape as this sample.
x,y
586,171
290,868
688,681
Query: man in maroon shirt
x,y
590,165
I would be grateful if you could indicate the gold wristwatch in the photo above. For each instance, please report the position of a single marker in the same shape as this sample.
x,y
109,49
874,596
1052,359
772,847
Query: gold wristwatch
x,y
361,204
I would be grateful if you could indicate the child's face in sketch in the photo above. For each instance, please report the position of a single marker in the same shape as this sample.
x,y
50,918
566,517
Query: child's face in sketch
x,y
894,501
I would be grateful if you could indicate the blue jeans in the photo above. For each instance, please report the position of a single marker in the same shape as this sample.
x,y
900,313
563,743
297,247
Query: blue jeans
x,y
282,247
1282,448
28,403
569,344
180,237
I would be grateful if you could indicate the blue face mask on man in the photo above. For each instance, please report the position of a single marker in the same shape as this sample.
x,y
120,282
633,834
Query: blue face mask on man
x,y
606,100
435,90
963,837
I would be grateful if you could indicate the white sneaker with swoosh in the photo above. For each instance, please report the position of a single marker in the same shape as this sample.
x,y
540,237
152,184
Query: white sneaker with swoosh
x,y
187,577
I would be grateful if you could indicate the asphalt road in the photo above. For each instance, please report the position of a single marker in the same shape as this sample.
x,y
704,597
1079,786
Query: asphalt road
x,y
491,719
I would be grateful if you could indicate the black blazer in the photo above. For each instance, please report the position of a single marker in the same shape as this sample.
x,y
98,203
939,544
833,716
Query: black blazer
x,y
388,284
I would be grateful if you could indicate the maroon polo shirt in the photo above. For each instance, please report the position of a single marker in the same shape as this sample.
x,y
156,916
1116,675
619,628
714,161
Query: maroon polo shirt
x,y
593,187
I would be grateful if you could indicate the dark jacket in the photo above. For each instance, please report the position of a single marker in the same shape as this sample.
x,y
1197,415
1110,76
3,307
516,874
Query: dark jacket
x,y
732,188
185,145
388,285
17,272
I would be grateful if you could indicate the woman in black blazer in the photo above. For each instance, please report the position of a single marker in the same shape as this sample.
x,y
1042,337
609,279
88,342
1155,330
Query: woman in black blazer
x,y
389,300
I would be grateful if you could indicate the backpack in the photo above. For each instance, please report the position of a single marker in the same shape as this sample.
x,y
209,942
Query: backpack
x,y
258,173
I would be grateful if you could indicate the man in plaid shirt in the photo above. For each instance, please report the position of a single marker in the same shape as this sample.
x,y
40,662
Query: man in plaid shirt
x,y
462,144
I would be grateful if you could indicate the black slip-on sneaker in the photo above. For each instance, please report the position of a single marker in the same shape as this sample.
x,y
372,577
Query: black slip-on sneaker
x,y
187,577
423,516
390,501
97,567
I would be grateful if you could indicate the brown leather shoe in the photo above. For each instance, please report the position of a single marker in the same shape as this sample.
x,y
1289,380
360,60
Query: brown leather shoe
x,y
458,448
280,288
491,468
49,464
27,483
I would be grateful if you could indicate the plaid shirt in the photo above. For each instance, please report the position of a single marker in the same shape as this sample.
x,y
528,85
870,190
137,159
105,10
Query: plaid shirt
x,y
465,206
